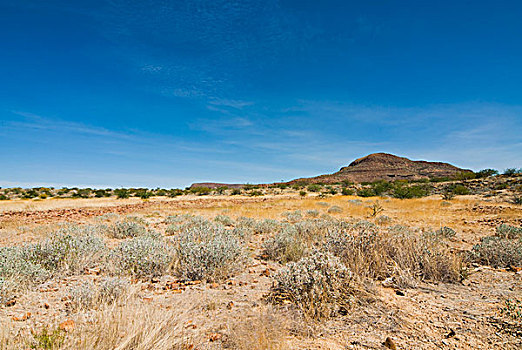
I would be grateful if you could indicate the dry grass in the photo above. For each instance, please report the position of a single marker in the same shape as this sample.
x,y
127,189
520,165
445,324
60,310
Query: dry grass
x,y
265,330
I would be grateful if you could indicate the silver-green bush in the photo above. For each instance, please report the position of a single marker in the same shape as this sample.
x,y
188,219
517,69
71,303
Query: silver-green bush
x,y
319,285
208,252
144,256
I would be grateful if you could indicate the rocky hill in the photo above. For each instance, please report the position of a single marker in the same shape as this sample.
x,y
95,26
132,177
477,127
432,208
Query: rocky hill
x,y
384,166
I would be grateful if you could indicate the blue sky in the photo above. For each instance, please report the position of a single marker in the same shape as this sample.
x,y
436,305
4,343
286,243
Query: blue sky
x,y
166,93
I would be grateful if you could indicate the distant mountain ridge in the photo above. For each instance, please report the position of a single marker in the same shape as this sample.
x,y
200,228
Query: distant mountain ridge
x,y
375,167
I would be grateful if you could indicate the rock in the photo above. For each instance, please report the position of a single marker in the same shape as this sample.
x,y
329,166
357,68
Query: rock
x,y
22,318
390,344
10,303
214,285
46,306
266,273
67,325
214,337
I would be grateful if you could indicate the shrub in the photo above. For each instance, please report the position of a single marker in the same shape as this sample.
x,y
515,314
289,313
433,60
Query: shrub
x,y
210,253
317,285
507,231
285,246
293,216
82,296
446,232
121,193
224,220
312,213
486,173
512,309
497,252
516,200
267,226
126,229
15,265
347,191
335,209
366,192
71,250
460,190
301,193
314,188
383,220
144,256
512,171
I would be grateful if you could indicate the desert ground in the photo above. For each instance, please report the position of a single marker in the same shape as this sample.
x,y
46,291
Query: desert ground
x,y
220,272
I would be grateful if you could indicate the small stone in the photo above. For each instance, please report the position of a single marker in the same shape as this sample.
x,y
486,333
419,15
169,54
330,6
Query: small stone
x,y
67,325
390,344
214,337
230,304
214,285
46,305
22,318
10,303
266,273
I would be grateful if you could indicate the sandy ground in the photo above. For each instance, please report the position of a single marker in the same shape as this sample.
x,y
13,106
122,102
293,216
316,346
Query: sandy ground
x,y
428,316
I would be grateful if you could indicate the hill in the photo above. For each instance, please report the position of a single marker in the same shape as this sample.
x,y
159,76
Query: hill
x,y
385,166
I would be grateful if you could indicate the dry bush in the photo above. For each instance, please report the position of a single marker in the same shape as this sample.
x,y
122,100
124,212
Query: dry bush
x,y
396,252
318,285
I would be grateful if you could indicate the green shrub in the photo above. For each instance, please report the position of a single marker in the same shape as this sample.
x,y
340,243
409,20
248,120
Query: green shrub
x,y
314,188
366,192
121,193
347,191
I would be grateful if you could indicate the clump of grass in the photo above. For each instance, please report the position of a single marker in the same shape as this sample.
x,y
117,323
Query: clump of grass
x,y
497,252
208,252
87,295
318,285
144,256
263,331
395,252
